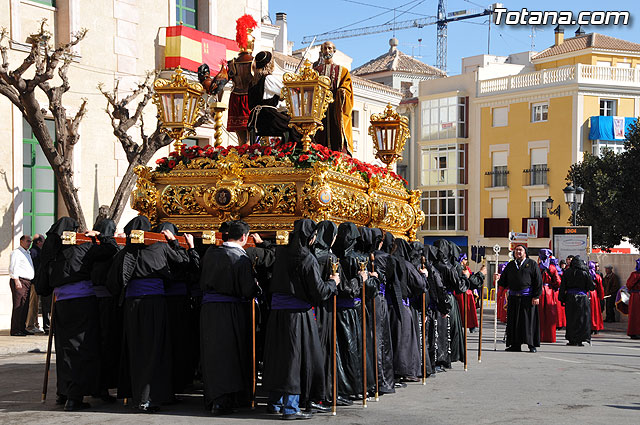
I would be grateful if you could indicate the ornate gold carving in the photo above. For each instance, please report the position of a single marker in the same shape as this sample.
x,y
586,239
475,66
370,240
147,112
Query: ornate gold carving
x,y
181,200
137,236
278,198
144,197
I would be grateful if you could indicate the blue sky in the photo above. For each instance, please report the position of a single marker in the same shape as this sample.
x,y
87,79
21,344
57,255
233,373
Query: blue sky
x,y
465,38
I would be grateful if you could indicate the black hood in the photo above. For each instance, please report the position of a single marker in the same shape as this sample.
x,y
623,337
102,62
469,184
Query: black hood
x,y
167,225
403,249
378,236
346,241
303,231
327,230
138,223
366,240
444,250
106,227
578,263
417,251
431,252
64,224
387,242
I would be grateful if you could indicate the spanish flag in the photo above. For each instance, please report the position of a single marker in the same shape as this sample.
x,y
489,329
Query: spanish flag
x,y
189,48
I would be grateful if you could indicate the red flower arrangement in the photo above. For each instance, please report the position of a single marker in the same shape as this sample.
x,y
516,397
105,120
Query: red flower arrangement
x,y
318,153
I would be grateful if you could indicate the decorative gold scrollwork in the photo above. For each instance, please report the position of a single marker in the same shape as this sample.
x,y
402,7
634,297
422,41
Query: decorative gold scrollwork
x,y
278,198
181,200
144,197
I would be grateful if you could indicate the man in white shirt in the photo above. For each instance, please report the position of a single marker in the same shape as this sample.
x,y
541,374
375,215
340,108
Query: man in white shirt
x,y
21,273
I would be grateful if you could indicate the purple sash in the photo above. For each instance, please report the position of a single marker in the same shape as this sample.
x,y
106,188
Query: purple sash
x,y
213,297
522,293
383,288
81,289
288,302
146,286
406,302
101,291
345,302
176,288
575,291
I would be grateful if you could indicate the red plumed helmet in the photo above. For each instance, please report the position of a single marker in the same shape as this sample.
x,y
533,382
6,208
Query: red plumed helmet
x,y
243,24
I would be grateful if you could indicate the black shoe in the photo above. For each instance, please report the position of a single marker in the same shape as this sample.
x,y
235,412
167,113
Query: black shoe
x,y
297,415
318,408
73,405
472,330
19,333
514,348
579,344
272,410
222,411
108,398
532,349
440,369
411,379
634,336
61,400
400,385
146,407
26,332
341,401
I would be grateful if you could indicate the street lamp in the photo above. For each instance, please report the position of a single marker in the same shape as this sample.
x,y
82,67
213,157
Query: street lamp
x,y
389,131
179,103
574,199
550,209
307,96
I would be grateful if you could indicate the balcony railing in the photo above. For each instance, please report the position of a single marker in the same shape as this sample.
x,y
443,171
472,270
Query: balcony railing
x,y
497,179
536,175
580,73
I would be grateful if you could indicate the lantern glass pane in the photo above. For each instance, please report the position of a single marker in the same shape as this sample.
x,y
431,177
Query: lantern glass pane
x,y
308,101
295,101
193,100
178,104
380,138
166,107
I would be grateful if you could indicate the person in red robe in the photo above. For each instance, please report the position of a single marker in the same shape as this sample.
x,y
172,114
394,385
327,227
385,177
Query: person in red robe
x,y
596,296
633,284
501,297
548,310
561,317
472,314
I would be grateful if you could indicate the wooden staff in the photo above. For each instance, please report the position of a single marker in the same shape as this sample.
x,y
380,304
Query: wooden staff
x,y
47,364
334,267
464,298
481,317
253,353
424,331
363,267
375,330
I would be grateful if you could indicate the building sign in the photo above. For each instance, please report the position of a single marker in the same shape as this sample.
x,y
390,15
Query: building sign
x,y
516,239
532,228
574,240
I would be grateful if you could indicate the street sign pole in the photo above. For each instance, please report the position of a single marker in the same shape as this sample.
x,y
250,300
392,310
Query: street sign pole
x,y
496,250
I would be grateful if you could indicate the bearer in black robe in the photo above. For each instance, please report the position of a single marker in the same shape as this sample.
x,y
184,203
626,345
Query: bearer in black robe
x,y
326,235
65,270
229,287
439,347
348,316
293,363
407,363
109,313
136,278
383,328
421,286
176,291
574,296
453,283
523,279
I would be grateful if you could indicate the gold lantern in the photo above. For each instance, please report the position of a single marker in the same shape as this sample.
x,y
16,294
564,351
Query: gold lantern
x,y
307,96
179,103
389,131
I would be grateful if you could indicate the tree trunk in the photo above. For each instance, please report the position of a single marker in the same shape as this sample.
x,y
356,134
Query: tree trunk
x,y
121,197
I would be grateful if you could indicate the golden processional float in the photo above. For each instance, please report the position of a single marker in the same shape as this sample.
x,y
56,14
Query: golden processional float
x,y
271,184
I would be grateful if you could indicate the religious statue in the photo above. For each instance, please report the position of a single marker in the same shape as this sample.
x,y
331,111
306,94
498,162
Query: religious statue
x,y
337,134
240,75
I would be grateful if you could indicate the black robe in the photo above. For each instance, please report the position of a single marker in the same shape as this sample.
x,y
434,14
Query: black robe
x,y
523,322
145,368
293,361
451,278
225,327
75,320
382,262
574,295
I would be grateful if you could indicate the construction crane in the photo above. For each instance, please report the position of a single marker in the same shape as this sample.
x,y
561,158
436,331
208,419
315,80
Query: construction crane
x,y
441,20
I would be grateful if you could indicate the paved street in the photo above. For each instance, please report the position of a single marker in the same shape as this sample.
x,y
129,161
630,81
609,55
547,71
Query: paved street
x,y
558,385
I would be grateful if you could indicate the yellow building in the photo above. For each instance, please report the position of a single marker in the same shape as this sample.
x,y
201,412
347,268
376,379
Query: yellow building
x,y
534,125
498,140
